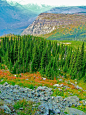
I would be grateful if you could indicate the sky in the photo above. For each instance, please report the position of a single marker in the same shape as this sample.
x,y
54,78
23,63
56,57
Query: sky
x,y
53,2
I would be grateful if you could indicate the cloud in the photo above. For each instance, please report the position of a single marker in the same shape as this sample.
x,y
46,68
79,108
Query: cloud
x,y
53,2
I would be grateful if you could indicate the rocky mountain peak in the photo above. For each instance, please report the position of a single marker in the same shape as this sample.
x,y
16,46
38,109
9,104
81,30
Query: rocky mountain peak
x,y
45,23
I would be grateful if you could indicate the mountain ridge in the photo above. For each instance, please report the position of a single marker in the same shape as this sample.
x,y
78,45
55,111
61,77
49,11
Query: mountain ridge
x,y
68,10
14,19
66,24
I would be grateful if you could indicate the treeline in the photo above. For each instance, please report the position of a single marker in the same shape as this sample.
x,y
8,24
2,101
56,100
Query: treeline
x,y
30,54
69,33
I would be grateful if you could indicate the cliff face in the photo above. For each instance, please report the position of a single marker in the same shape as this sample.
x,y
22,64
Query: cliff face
x,y
45,23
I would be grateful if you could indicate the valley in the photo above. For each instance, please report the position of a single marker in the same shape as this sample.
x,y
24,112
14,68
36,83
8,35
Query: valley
x,y
42,59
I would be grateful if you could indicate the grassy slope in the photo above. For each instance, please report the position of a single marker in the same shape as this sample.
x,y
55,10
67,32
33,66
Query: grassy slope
x,y
28,80
68,33
70,27
35,79
74,44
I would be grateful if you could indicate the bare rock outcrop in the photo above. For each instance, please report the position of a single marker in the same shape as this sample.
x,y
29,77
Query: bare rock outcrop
x,y
47,22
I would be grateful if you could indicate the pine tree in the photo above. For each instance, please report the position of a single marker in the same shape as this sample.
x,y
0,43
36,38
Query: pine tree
x,y
44,60
35,66
48,71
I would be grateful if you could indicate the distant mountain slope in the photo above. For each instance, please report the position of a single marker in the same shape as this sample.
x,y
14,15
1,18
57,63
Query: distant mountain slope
x,y
58,26
68,10
14,18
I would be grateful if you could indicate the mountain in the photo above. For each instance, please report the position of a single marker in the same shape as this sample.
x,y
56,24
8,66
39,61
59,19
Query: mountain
x,y
58,26
68,10
14,17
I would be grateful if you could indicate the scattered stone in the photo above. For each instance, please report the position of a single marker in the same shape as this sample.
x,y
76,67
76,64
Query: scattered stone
x,y
56,85
75,82
1,80
49,105
78,87
41,88
61,85
58,99
60,80
59,89
84,102
44,78
27,79
5,84
20,108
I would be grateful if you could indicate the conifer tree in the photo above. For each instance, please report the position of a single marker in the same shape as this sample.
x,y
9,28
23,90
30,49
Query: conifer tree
x,y
34,66
44,60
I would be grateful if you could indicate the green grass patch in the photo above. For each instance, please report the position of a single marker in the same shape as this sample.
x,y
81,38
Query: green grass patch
x,y
19,104
56,92
2,82
28,107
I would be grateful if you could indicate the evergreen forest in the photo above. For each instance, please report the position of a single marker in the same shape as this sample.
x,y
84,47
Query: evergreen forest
x,y
31,54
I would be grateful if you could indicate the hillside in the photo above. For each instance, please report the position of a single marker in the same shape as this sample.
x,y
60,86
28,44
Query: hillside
x,y
58,26
45,76
14,18
48,57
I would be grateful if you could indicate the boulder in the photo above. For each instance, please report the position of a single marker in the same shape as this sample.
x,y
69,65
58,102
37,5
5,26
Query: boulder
x,y
73,111
57,111
44,78
5,84
56,85
78,87
58,99
5,108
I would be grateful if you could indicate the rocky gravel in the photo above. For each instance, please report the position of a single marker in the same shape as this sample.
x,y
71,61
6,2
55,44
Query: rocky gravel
x,y
50,105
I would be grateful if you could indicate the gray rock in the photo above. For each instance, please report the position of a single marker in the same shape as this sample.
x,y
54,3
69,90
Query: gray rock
x,y
60,80
5,84
57,111
58,98
41,88
72,99
78,87
8,101
44,78
46,23
49,104
46,98
84,102
44,108
20,108
15,91
73,111
56,85
42,98
6,108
